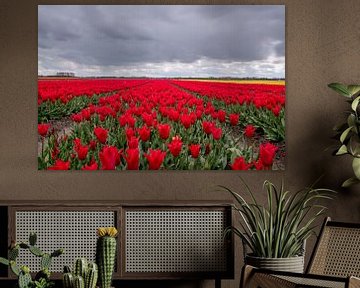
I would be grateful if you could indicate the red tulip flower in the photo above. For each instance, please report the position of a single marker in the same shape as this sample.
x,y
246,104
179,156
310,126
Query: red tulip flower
x,y
101,134
267,154
60,165
91,166
276,110
185,120
43,129
155,158
109,157
175,146
234,119
164,131
240,164
144,133
216,132
130,132
76,118
80,150
92,144
249,131
133,142
132,157
221,115
194,150
208,126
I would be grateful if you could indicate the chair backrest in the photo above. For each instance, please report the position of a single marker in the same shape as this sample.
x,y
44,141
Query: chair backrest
x,y
337,251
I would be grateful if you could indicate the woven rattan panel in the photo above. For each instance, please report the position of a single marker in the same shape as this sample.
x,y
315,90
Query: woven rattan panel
x,y
175,241
338,253
75,231
311,282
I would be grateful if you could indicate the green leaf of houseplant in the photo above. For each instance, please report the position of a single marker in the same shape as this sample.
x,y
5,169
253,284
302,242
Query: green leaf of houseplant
x,y
340,88
353,89
345,134
354,145
356,167
355,103
349,182
342,150
351,120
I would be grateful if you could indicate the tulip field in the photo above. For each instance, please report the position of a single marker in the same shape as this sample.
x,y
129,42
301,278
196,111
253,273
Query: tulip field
x,y
168,124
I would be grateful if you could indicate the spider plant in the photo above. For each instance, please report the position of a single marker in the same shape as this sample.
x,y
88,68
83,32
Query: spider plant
x,y
280,229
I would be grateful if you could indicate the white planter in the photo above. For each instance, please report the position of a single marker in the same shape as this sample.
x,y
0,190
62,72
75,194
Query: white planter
x,y
291,264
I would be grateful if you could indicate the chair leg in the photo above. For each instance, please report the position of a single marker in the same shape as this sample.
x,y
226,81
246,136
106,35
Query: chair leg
x,y
246,273
354,282
250,278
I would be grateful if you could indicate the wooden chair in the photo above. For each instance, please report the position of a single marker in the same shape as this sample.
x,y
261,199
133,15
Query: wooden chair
x,y
335,262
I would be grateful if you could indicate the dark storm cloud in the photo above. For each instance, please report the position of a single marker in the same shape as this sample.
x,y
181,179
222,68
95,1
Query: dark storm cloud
x,y
127,36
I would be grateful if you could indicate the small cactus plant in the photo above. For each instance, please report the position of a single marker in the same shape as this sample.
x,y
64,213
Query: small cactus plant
x,y
42,278
85,275
106,254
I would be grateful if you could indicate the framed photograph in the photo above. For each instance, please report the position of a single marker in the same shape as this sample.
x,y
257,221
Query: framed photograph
x,y
170,87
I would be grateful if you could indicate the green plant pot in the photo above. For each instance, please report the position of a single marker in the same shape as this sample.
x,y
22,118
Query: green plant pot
x,y
291,264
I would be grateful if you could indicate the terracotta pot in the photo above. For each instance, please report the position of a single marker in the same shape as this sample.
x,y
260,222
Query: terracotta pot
x,y
291,264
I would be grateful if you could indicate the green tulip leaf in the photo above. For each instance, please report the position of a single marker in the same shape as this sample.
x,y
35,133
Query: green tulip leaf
x,y
342,150
340,88
349,182
356,167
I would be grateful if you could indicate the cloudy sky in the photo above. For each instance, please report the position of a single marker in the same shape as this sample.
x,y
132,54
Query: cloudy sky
x,y
162,41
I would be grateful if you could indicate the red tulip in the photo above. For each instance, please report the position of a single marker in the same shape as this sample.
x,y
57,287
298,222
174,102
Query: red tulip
x,y
133,142
43,129
276,110
144,133
217,133
175,146
91,166
130,132
221,115
240,164
185,120
208,127
234,119
60,165
92,144
81,150
109,157
164,131
127,119
194,150
76,118
101,134
155,158
267,153
148,119
249,131
132,157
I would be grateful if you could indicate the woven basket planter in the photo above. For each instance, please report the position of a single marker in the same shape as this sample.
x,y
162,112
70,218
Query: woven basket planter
x,y
291,264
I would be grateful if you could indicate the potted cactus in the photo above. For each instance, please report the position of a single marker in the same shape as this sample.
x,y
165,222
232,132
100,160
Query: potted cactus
x,y
84,275
106,254
42,278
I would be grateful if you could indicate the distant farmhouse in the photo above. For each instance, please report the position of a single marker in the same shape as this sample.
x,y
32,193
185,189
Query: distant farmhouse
x,y
65,74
